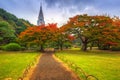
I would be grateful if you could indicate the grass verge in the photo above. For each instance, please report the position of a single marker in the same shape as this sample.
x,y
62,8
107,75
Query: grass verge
x,y
101,64
13,64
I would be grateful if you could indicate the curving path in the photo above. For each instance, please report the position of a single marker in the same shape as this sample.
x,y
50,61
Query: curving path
x,y
49,68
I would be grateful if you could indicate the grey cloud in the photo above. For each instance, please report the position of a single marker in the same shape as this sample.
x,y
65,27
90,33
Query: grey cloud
x,y
68,4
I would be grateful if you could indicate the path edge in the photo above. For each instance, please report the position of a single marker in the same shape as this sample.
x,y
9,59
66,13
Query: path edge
x,y
32,68
64,65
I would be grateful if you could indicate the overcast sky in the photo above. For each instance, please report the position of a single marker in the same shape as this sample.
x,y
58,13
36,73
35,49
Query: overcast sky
x,y
59,11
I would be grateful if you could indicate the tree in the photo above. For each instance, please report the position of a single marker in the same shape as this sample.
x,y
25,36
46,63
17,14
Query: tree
x,y
62,38
7,34
45,35
116,30
17,24
90,29
38,35
110,34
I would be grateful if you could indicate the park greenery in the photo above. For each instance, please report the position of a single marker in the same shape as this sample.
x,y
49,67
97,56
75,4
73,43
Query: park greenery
x,y
103,65
12,47
13,64
42,35
88,31
10,27
99,31
81,32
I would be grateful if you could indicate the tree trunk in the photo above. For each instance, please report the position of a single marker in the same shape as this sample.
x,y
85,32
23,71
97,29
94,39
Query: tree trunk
x,y
84,46
61,47
91,45
41,48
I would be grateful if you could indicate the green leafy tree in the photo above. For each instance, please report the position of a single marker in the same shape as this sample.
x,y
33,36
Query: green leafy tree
x,y
6,33
17,24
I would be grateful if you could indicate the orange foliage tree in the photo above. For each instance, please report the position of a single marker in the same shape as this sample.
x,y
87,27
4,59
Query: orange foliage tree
x,y
44,34
92,28
38,35
62,37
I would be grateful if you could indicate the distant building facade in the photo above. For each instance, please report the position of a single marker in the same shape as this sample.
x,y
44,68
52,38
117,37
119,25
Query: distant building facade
x,y
40,17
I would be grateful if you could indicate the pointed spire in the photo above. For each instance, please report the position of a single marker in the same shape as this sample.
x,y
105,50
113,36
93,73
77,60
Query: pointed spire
x,y
41,16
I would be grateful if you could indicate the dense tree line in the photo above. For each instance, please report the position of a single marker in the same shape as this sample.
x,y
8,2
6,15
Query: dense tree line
x,y
10,26
100,30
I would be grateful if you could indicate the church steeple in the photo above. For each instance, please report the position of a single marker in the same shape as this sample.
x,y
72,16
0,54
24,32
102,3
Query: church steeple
x,y
40,17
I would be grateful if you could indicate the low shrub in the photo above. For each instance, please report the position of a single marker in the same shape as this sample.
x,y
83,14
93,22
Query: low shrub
x,y
12,47
1,47
115,48
23,48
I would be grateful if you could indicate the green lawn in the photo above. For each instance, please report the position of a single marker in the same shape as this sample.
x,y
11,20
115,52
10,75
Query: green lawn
x,y
102,64
12,64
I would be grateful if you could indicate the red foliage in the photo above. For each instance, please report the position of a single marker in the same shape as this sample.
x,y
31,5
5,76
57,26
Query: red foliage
x,y
71,37
38,34
111,43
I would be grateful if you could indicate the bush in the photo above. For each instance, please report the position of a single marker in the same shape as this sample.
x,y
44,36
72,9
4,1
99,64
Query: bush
x,y
115,48
67,45
23,48
1,47
104,47
12,47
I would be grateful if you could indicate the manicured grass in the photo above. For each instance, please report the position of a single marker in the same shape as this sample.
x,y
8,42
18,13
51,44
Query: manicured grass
x,y
13,64
102,64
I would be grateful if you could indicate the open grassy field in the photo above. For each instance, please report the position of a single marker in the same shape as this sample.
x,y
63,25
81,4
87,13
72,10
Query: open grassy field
x,y
102,64
12,64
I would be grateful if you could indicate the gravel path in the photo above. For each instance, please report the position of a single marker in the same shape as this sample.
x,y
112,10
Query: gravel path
x,y
49,68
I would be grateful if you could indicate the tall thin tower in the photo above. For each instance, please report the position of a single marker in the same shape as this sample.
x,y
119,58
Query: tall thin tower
x,y
40,17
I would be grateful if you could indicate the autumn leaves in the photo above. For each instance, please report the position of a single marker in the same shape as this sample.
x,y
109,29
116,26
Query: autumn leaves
x,y
101,30
43,35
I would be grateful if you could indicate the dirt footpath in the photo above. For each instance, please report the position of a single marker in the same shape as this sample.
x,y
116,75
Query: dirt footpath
x,y
49,68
